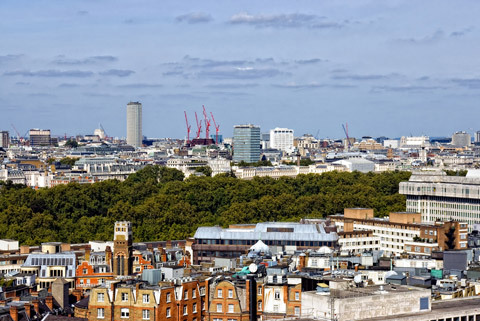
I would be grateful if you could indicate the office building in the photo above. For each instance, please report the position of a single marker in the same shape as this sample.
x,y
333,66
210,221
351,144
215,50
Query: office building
x,y
441,198
402,232
211,242
134,124
40,137
265,140
477,137
461,139
4,139
246,143
282,139
407,142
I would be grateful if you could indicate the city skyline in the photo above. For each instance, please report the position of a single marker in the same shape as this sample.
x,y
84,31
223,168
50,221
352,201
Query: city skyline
x,y
392,69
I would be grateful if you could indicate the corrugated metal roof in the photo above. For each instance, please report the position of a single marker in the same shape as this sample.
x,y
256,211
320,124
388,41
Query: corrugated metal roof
x,y
301,232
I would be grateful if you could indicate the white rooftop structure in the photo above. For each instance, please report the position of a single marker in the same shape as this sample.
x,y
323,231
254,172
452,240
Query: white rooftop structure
x,y
260,247
281,231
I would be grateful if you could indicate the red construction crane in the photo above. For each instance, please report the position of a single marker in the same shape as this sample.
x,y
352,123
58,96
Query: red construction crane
x,y
217,128
16,131
207,123
199,126
349,144
188,127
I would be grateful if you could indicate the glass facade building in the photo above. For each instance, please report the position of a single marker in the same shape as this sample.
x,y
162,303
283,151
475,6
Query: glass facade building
x,y
246,143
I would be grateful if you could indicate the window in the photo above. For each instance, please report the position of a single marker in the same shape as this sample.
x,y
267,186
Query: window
x,y
169,297
424,303
202,290
230,308
124,296
185,294
297,296
220,293
194,294
275,308
100,313
230,294
146,314
259,305
146,298
259,290
297,311
84,271
219,307
169,314
185,310
277,295
124,313
203,305
194,308
100,297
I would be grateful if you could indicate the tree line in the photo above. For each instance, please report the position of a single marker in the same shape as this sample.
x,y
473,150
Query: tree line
x,y
162,205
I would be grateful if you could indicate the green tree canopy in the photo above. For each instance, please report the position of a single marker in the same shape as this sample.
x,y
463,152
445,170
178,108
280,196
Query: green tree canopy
x,y
162,205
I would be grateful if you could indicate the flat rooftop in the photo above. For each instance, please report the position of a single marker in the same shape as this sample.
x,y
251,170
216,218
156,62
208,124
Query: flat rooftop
x,y
373,290
440,310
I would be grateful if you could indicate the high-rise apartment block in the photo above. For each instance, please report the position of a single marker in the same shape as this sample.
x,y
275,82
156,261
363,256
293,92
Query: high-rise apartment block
x,y
246,143
282,139
40,137
4,139
134,124
443,198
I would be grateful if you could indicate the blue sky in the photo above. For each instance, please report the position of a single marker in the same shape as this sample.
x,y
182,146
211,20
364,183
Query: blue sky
x,y
386,67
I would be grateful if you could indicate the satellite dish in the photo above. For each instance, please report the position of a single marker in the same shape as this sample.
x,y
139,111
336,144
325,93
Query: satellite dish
x,y
358,278
253,268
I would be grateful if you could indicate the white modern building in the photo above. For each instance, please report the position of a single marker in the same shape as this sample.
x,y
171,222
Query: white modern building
x,y
357,164
282,139
134,124
461,139
440,198
414,142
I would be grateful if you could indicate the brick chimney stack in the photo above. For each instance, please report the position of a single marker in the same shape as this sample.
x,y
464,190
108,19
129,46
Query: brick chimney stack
x,y
28,310
49,302
14,312
36,306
